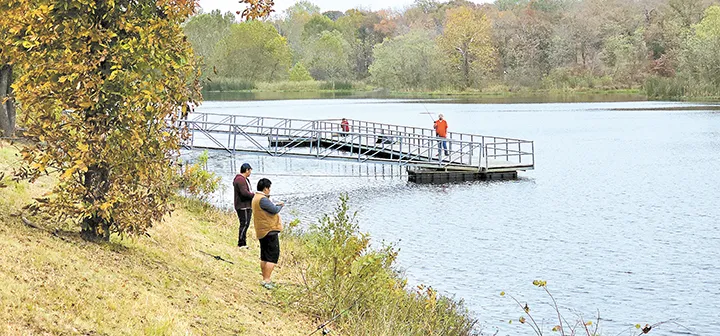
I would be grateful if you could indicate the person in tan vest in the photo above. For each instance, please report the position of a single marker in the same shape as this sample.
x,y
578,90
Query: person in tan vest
x,y
268,225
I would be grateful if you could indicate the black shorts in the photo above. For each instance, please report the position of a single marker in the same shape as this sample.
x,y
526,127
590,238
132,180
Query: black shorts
x,y
270,247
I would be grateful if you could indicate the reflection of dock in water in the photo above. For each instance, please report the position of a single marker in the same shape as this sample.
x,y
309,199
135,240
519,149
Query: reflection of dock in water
x,y
468,156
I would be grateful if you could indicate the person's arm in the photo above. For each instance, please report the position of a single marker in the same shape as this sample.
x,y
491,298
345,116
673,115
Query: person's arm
x,y
267,205
244,189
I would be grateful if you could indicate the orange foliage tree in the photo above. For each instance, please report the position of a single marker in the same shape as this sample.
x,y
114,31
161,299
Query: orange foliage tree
x,y
256,9
100,89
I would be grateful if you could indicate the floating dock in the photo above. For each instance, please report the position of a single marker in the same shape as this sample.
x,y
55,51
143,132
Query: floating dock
x,y
468,157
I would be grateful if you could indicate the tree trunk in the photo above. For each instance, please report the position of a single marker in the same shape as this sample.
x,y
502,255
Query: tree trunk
x,y
466,69
96,185
7,105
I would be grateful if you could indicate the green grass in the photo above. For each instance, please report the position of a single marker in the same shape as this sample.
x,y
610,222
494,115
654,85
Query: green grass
x,y
157,285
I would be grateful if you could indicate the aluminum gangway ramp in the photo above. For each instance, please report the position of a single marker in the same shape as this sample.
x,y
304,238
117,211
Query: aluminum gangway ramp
x,y
415,147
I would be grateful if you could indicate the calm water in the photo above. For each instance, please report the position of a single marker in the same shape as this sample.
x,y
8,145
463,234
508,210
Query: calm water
x,y
619,216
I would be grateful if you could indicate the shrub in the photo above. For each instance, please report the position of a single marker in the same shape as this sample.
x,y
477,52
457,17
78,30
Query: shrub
x,y
664,88
343,278
289,86
228,84
196,180
340,85
299,73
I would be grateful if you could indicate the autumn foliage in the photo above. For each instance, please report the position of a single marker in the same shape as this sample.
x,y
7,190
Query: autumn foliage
x,y
256,9
100,90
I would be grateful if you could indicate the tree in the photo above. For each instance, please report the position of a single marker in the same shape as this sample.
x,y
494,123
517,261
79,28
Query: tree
x,y
333,15
359,30
700,62
327,57
256,9
253,50
299,73
468,44
204,31
523,37
317,24
411,61
7,105
296,16
10,16
100,96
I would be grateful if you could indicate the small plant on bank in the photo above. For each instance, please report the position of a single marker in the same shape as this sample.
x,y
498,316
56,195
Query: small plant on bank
x,y
196,180
349,286
578,326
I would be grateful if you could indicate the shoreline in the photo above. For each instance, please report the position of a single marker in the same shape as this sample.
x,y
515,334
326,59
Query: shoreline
x,y
523,95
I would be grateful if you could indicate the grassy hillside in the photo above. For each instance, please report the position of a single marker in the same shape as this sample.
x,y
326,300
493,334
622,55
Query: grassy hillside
x,y
169,283
56,283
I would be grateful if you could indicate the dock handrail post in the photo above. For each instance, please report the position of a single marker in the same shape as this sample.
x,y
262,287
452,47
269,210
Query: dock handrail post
x,y
277,140
318,144
229,132
192,137
234,138
400,155
507,150
519,152
532,143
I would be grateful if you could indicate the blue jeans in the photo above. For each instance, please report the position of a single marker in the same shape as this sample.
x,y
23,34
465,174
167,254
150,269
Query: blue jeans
x,y
442,144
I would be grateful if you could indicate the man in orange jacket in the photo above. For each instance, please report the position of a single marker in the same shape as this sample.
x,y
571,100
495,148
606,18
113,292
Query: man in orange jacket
x,y
441,127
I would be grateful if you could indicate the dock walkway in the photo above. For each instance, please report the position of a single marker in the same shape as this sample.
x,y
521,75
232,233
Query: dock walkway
x,y
469,156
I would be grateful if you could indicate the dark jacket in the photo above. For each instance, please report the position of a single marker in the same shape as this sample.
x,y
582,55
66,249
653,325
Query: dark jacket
x,y
243,194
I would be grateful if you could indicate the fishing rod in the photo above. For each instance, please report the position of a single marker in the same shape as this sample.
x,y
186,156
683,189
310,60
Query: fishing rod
x,y
322,326
216,257
432,115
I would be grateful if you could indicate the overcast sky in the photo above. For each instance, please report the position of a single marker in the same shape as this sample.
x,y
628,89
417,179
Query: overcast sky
x,y
325,5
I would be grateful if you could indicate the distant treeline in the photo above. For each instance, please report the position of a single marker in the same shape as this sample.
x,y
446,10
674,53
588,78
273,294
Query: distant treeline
x,y
667,47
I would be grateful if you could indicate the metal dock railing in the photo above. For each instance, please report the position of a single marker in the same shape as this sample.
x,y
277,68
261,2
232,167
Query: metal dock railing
x,y
364,141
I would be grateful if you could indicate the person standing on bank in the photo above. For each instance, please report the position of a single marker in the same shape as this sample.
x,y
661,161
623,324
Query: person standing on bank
x,y
441,127
243,198
267,228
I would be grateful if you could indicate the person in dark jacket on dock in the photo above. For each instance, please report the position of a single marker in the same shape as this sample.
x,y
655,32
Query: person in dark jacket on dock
x,y
267,229
243,198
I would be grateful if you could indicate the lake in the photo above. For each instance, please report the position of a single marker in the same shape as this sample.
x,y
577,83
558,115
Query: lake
x,y
620,215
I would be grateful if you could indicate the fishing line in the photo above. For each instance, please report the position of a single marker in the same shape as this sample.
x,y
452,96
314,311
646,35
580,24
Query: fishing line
x,y
430,114
321,176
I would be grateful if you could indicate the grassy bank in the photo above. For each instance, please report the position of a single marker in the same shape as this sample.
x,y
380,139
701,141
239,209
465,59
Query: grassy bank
x,y
163,284
56,283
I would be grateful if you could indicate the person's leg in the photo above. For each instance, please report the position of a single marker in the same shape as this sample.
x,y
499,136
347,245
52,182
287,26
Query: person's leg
x,y
242,229
267,269
269,255
444,144
244,216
